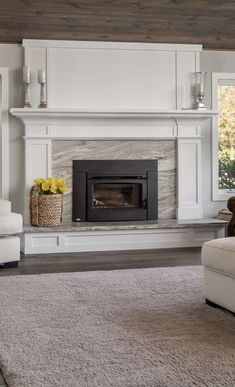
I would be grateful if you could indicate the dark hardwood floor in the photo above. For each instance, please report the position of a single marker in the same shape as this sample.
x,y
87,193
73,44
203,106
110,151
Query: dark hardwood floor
x,y
115,260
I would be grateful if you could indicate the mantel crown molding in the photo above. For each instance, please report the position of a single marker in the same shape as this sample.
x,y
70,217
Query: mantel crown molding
x,y
32,115
111,124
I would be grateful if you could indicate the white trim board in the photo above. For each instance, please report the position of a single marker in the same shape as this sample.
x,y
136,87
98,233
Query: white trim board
x,y
110,45
4,133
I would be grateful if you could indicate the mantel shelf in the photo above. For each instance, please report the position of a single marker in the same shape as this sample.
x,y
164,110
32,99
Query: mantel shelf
x,y
26,113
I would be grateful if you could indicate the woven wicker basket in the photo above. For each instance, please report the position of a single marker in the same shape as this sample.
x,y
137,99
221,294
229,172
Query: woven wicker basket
x,y
45,210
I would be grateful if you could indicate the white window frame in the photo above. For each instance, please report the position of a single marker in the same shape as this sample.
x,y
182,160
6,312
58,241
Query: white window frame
x,y
218,78
4,133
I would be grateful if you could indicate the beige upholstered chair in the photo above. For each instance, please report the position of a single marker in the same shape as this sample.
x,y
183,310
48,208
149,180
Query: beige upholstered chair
x,y
218,259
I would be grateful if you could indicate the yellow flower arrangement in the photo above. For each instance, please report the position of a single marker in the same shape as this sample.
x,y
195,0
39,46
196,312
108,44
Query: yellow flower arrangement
x,y
50,185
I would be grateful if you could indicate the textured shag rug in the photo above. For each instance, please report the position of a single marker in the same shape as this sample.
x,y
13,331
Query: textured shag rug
x,y
129,328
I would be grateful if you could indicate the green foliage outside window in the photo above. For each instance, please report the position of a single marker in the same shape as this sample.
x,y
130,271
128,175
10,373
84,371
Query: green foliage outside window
x,y
226,98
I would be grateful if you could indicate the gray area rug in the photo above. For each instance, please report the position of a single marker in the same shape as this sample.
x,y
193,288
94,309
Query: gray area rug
x,y
130,328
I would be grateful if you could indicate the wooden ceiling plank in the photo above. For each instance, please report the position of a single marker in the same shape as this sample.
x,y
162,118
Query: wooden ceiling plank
x,y
187,8
67,20
127,27
227,44
210,22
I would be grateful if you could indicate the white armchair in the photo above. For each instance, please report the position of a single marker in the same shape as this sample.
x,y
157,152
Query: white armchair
x,y
10,225
218,259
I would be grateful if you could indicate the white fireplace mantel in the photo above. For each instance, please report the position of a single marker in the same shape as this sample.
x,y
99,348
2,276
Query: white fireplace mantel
x,y
97,124
30,115
42,126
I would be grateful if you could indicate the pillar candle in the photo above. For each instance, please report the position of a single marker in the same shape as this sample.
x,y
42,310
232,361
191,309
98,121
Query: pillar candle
x,y
26,74
41,76
201,88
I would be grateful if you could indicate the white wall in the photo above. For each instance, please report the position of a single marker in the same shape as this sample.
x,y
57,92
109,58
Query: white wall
x,y
212,61
11,56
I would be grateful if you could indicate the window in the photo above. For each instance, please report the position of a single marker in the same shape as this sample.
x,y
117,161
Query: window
x,y
223,139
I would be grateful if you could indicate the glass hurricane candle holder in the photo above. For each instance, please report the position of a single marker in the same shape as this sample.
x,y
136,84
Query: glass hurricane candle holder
x,y
200,78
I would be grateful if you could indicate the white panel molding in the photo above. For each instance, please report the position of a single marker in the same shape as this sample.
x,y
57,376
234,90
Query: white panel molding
x,y
185,68
103,132
137,74
197,61
189,131
4,133
36,59
187,63
37,159
189,204
109,79
33,243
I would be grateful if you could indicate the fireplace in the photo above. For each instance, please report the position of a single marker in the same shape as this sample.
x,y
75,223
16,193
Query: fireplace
x,y
110,190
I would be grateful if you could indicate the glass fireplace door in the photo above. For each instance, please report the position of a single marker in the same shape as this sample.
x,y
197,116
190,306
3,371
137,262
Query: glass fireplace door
x,y
117,199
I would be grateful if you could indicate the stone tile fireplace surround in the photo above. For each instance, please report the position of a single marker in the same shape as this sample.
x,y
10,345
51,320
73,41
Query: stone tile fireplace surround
x,y
64,152
117,101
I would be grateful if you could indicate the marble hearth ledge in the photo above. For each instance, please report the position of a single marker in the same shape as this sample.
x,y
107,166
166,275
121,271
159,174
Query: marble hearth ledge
x,y
127,225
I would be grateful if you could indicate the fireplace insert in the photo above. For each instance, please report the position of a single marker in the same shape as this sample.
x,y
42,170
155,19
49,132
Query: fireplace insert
x,y
109,190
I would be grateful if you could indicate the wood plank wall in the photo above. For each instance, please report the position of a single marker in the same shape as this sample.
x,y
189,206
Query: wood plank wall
x,y
207,22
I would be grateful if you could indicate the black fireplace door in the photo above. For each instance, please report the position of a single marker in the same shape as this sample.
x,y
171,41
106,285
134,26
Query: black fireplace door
x,y
116,198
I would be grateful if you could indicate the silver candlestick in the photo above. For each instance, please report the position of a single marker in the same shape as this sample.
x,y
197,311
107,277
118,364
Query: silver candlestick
x,y
200,103
43,101
27,102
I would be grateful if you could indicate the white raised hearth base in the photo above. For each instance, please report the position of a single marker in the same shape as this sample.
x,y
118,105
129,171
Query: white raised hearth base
x,y
81,237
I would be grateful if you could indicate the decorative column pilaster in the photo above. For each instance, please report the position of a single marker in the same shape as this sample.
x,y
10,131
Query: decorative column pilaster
x,y
189,201
37,164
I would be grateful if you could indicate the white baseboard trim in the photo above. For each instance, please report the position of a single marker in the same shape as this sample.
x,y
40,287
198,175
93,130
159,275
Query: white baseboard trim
x,y
60,242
